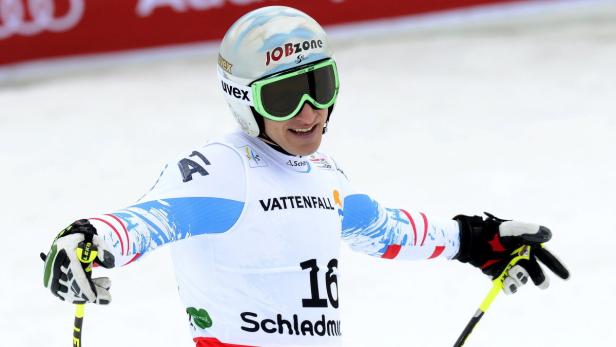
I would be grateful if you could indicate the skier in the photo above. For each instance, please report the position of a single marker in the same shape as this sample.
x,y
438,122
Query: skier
x,y
255,218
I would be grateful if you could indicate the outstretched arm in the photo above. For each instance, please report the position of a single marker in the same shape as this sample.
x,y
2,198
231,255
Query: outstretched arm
x,y
488,244
393,233
143,227
202,193
396,233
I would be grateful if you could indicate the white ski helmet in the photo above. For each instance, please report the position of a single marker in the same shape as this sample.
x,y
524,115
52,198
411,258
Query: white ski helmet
x,y
265,41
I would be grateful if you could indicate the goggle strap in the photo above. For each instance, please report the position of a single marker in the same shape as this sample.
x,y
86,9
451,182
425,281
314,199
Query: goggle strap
x,y
235,92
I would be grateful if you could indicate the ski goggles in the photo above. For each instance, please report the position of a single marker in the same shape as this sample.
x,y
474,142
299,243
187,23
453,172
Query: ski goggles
x,y
280,97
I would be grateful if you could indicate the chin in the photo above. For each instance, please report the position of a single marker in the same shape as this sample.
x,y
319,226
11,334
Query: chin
x,y
304,151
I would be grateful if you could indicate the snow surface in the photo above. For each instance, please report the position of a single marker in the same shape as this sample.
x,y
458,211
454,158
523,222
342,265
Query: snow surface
x,y
517,119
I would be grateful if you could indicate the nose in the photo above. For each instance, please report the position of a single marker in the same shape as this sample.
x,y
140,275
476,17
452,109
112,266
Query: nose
x,y
307,115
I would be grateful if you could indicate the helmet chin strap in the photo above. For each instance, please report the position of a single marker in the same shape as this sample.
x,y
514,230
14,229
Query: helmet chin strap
x,y
329,113
263,136
268,140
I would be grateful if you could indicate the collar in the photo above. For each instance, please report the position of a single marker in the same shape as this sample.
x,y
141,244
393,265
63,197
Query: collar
x,y
276,154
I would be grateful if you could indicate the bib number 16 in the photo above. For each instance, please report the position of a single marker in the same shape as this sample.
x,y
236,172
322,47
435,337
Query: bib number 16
x,y
331,283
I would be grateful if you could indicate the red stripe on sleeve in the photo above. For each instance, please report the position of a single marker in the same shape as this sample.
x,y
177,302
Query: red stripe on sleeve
x,y
391,252
408,215
437,251
133,259
425,220
214,342
125,231
114,229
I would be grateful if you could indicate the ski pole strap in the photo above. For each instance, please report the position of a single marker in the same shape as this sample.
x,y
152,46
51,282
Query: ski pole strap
x,y
520,253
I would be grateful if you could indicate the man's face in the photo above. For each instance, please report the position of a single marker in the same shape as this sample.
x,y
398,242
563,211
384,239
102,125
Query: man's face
x,y
300,135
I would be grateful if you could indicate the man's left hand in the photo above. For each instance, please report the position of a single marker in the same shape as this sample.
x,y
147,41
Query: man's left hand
x,y
489,244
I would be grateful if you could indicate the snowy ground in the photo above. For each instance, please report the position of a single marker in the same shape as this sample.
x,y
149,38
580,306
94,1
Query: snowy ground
x,y
518,119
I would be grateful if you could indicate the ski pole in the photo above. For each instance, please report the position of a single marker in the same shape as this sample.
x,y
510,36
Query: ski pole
x,y
79,311
522,252
86,253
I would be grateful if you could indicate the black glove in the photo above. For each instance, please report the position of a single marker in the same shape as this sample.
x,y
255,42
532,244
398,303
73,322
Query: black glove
x,y
66,276
488,244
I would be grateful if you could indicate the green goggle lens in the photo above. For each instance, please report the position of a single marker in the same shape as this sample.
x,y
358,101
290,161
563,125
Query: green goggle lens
x,y
280,97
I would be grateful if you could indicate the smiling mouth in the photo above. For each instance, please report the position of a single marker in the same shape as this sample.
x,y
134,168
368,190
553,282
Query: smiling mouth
x,y
303,131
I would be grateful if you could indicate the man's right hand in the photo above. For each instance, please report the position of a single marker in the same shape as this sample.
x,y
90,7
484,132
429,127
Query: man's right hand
x,y
65,275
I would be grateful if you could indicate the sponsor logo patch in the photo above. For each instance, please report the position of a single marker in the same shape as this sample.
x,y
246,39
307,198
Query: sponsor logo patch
x,y
199,317
235,92
292,326
338,202
296,201
291,48
302,166
254,158
224,64
321,162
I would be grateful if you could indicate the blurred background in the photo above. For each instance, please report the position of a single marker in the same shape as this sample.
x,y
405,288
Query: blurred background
x,y
448,107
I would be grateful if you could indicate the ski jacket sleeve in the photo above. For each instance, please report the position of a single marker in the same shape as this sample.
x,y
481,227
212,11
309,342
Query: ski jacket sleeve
x,y
197,194
384,232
